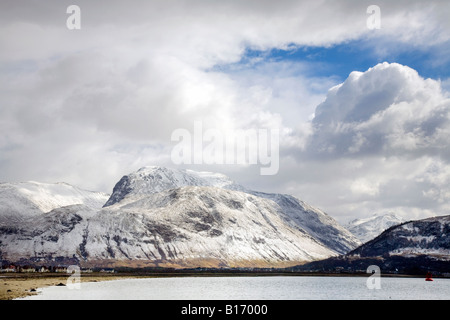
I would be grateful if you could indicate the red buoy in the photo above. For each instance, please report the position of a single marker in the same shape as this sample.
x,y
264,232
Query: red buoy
x,y
428,277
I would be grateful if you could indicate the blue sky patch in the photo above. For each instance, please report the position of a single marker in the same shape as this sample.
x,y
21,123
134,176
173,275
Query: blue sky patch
x,y
340,60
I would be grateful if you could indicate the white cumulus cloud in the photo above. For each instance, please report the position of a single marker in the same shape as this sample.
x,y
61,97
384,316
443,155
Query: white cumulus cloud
x,y
387,110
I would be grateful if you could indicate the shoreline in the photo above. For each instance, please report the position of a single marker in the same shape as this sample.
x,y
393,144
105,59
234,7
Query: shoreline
x,y
19,285
23,285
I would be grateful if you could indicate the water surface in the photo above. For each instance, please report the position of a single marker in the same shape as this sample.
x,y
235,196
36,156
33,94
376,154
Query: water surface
x,y
252,288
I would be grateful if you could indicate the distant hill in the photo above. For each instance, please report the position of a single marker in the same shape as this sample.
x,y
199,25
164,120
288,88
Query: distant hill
x,y
413,247
368,228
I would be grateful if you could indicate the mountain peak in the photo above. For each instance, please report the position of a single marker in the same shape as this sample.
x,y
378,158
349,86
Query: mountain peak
x,y
153,179
411,238
368,228
22,199
159,216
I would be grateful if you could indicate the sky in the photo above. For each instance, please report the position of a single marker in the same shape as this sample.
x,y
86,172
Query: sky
x,y
363,113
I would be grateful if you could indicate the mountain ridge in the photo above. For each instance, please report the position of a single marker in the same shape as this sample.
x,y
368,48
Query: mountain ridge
x,y
157,216
20,200
415,237
412,247
293,209
366,229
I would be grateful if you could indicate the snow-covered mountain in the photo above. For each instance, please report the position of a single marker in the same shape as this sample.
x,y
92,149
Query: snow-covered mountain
x,y
296,213
429,236
368,228
27,199
414,247
207,225
153,179
168,217
315,222
39,219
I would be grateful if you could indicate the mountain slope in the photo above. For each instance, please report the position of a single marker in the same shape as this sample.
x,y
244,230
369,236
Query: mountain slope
x,y
204,224
44,220
428,236
165,217
153,179
188,226
25,199
369,228
413,247
322,227
52,238
313,221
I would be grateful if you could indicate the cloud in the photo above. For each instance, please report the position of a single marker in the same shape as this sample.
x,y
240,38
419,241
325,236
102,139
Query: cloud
x,y
379,141
387,110
87,106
